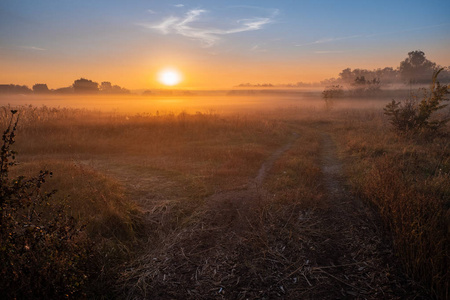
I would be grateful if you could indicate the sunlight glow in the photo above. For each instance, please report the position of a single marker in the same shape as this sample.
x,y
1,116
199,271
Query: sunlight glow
x,y
169,77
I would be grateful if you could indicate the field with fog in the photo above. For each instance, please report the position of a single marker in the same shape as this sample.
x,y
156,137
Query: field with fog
x,y
223,197
217,102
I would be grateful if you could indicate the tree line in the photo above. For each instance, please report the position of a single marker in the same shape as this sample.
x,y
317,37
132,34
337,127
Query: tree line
x,y
414,69
79,86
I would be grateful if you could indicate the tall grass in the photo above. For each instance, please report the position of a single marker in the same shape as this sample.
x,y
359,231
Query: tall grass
x,y
408,181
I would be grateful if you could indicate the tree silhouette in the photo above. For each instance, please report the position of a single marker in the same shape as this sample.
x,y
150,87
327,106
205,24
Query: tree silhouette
x,y
40,88
416,68
14,89
107,88
83,85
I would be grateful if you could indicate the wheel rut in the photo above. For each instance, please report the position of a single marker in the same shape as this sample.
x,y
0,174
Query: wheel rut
x,y
244,199
357,257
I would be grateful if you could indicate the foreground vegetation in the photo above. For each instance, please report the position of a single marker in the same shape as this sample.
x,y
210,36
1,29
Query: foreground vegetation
x,y
59,243
407,179
166,205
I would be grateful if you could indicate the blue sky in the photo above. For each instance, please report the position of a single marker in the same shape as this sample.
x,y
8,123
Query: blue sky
x,y
127,42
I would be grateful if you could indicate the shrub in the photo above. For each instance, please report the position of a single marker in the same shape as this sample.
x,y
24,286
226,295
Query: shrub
x,y
42,252
412,117
334,91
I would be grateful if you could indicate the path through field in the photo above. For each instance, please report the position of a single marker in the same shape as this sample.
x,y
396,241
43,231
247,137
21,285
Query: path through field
x,y
238,245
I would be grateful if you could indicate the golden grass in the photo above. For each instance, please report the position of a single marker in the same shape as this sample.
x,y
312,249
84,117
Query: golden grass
x,y
408,180
121,172
94,199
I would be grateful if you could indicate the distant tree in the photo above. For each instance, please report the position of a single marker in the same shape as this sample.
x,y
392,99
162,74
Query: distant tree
x,y
65,90
359,76
347,75
83,85
302,84
107,88
387,75
256,85
416,68
14,89
119,90
40,88
360,81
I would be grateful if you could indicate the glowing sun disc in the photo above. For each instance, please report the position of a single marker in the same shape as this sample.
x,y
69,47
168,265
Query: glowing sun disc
x,y
169,77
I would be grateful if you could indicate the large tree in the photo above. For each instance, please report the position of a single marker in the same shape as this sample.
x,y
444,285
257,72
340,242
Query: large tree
x,y
416,68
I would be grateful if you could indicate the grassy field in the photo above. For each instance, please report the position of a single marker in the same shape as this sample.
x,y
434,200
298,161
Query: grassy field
x,y
211,206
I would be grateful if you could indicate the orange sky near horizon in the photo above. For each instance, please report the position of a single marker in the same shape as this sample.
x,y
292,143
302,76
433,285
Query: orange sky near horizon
x,y
217,73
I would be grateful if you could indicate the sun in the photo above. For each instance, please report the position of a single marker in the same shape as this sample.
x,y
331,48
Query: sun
x,y
169,77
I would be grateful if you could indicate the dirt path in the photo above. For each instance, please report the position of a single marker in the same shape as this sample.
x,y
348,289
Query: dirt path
x,y
356,258
332,168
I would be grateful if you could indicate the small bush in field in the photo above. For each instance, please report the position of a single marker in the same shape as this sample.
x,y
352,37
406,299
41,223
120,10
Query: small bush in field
x,y
412,117
334,91
42,254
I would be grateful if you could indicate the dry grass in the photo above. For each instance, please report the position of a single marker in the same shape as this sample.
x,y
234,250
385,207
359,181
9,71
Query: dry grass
x,y
209,231
285,239
184,157
408,180
94,199
244,243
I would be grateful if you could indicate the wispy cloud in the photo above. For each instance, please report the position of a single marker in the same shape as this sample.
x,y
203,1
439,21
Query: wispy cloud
x,y
329,52
151,11
258,48
207,36
32,48
179,5
329,40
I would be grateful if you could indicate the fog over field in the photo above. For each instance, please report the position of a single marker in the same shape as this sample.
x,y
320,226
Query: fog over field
x,y
222,104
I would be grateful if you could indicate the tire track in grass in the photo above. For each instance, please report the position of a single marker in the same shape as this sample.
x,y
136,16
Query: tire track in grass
x,y
204,260
358,258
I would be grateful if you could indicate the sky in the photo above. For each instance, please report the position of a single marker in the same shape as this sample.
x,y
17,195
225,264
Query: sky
x,y
214,44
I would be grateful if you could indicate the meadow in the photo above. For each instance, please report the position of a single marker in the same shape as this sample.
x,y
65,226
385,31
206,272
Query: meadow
x,y
240,197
